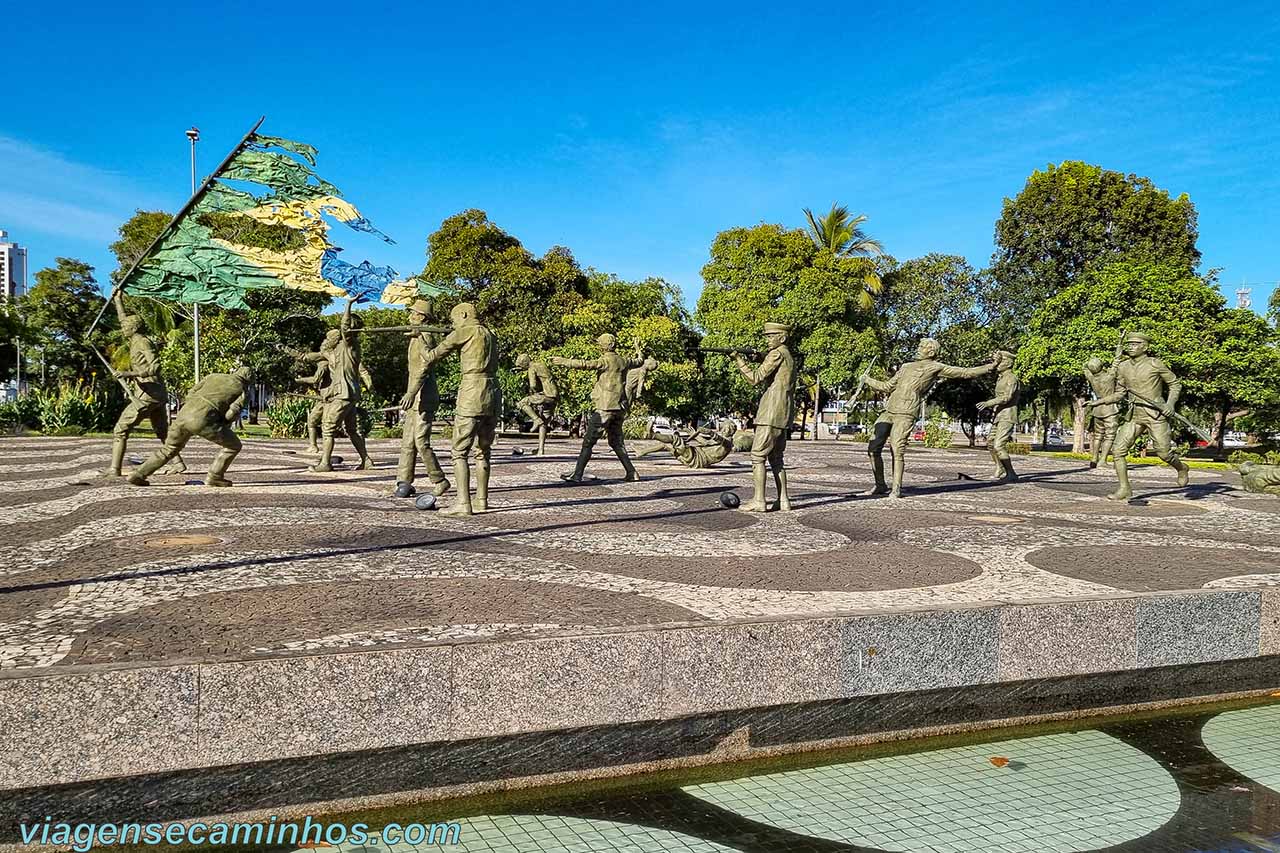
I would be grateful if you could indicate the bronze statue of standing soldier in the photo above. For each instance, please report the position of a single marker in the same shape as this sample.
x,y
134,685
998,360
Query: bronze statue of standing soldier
x,y
415,442
907,389
319,380
776,410
609,399
478,406
1151,389
1106,417
148,397
346,374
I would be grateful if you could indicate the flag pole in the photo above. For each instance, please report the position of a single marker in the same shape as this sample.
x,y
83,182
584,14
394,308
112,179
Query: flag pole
x,y
165,233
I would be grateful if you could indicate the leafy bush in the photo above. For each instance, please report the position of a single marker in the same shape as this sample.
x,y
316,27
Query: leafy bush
x,y
389,432
1239,457
72,409
1021,448
936,435
287,416
22,413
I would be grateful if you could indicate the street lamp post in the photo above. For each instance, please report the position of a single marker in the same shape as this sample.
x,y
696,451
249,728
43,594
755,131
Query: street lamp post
x,y
194,135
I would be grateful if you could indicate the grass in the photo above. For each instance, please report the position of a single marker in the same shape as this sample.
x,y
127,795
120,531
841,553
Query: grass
x,y
1201,464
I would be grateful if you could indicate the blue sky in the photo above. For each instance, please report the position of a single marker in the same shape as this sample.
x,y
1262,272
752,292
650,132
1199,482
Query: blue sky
x,y
633,133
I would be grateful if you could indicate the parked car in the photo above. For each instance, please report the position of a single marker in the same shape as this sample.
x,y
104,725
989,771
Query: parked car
x,y
1233,439
662,426
918,435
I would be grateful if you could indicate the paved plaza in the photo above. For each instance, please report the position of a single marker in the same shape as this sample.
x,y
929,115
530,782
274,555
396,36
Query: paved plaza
x,y
291,562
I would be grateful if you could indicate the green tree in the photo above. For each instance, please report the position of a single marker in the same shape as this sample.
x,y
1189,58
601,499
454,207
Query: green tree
x,y
923,297
1222,356
59,310
1075,216
136,236
769,272
841,234
521,297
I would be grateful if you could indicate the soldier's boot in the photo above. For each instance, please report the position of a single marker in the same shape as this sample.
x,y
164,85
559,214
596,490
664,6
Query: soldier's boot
x,y
625,459
784,497
482,486
357,441
313,439
1104,450
115,469
542,440
527,410
998,472
323,464
1123,490
406,468
177,466
877,468
757,502
1010,475
461,473
152,464
579,470
218,468
1093,460
1184,472
899,468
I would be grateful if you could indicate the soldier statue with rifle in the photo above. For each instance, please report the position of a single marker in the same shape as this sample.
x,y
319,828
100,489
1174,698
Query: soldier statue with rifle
x,y
415,441
210,410
148,397
1151,390
777,373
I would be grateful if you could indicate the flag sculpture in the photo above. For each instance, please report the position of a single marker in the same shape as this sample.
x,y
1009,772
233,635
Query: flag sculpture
x,y
260,220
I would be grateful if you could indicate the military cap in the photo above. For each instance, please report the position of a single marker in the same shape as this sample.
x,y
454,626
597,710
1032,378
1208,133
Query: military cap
x,y
422,306
777,328
1141,337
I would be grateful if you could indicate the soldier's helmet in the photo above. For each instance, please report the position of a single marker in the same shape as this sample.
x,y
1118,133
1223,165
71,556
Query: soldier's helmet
x,y
522,361
462,312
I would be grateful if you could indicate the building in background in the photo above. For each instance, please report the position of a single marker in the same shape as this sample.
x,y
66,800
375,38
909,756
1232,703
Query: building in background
x,y
13,268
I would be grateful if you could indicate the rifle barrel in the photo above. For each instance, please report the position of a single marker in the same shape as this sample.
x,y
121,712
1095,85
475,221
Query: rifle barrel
x,y
434,330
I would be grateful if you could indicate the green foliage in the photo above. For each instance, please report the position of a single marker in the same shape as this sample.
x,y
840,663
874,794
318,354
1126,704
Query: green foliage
x,y
286,417
58,312
769,272
923,297
1222,355
936,435
20,413
72,408
136,236
1073,217
1239,457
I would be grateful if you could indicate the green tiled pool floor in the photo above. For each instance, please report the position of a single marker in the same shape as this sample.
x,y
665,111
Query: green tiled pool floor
x,y
1200,782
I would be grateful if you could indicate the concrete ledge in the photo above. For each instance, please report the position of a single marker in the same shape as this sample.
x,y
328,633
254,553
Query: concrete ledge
x,y
93,723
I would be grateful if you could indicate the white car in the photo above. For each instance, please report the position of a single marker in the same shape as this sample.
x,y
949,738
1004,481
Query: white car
x,y
661,426
1233,439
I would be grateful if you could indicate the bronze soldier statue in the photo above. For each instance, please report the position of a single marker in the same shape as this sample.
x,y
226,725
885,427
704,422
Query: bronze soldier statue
x,y
478,406
320,381
415,440
343,393
209,411
637,377
1151,390
1102,380
907,389
1258,477
148,397
608,396
1004,406
700,449
540,405
777,408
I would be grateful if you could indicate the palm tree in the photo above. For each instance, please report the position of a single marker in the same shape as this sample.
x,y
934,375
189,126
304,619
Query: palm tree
x,y
841,234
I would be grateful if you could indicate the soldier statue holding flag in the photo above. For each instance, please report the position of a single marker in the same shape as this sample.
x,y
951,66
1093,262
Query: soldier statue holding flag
x,y
148,397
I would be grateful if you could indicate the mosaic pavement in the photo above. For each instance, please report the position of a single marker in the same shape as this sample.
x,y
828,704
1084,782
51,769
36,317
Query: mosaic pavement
x,y
287,561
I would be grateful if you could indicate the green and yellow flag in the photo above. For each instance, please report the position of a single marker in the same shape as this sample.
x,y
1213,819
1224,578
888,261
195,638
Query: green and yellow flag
x,y
275,233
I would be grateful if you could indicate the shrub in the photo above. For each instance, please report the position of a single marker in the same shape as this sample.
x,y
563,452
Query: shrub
x,y
389,432
72,409
21,413
1239,457
936,435
1021,448
287,416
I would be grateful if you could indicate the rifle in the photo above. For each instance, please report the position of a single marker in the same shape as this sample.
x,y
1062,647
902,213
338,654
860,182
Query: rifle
x,y
431,330
749,351
1174,415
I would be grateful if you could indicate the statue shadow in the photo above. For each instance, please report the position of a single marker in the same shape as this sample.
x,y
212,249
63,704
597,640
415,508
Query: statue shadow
x,y
457,540
949,486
